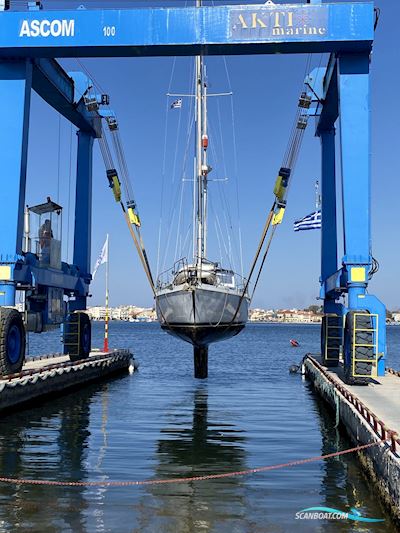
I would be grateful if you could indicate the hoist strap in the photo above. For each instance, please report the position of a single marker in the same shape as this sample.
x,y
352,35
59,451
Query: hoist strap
x,y
140,250
255,260
263,260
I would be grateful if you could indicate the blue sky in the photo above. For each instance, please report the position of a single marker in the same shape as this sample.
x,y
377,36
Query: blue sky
x,y
265,90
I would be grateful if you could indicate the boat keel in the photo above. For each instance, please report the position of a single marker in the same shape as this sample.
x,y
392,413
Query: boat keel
x,y
200,355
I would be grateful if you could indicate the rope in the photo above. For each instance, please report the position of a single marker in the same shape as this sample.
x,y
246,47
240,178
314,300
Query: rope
x,y
207,477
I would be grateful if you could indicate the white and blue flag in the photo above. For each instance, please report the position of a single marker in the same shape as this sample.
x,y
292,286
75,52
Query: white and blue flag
x,y
312,221
103,258
177,104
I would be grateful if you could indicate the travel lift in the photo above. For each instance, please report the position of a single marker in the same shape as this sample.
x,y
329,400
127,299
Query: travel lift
x,y
54,292
354,321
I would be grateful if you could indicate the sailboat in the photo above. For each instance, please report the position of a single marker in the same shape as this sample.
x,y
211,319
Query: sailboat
x,y
201,302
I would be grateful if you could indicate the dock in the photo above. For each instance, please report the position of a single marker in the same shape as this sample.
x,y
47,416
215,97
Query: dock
x,y
44,376
368,414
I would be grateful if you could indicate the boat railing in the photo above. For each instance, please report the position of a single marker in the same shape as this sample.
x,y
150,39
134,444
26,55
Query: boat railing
x,y
166,278
182,272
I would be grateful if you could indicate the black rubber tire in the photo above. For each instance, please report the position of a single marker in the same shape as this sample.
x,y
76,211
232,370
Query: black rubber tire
x,y
335,341
77,336
11,323
363,369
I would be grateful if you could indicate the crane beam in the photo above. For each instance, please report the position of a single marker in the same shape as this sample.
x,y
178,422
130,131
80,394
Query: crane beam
x,y
254,29
58,89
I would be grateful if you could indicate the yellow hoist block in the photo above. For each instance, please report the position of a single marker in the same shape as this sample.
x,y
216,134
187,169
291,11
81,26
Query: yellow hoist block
x,y
133,217
279,189
116,188
278,217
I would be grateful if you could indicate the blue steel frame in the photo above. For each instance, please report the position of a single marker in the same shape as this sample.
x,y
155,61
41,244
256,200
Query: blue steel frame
x,y
346,30
64,93
343,90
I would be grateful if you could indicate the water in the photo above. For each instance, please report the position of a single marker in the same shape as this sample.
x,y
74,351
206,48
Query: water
x,y
162,423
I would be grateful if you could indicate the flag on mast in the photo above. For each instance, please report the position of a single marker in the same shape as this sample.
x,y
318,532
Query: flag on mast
x,y
312,221
103,257
177,104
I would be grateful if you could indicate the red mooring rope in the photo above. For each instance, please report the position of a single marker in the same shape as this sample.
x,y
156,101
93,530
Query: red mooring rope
x,y
14,481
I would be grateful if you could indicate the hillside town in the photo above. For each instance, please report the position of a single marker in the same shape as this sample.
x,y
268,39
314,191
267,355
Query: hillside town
x,y
311,315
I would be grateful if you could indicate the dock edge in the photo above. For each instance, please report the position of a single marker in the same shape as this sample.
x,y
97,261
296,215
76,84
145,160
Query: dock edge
x,y
381,462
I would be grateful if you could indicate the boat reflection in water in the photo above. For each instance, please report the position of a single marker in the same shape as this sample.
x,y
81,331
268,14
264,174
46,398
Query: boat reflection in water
x,y
202,446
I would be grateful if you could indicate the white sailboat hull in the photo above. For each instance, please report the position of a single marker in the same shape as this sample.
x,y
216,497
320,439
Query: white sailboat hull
x,y
202,315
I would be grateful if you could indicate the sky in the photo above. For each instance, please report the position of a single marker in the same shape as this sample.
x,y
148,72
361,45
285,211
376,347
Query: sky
x,y
265,93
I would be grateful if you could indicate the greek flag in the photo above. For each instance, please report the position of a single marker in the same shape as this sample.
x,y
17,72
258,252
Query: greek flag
x,y
312,221
103,258
177,104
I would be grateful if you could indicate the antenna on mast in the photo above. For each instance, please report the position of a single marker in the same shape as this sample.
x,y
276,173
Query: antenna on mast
x,y
317,196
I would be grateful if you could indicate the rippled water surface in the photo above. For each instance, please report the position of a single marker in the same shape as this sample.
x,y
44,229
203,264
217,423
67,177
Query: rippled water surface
x,y
161,423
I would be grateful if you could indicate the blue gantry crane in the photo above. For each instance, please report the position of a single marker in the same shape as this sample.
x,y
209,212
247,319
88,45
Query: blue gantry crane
x,y
31,237
354,321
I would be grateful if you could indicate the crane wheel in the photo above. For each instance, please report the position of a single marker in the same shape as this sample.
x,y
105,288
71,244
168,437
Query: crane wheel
x,y
358,349
12,341
77,336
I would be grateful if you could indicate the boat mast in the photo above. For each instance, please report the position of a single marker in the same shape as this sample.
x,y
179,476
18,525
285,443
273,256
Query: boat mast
x,y
202,168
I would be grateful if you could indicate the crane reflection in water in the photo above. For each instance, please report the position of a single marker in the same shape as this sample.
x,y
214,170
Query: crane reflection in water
x,y
49,441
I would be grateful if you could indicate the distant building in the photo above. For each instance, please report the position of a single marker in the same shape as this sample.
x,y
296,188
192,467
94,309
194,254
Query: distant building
x,y
127,313
97,313
284,315
261,315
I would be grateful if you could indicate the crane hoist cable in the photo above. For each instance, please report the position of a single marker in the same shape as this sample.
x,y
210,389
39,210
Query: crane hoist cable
x,y
129,210
131,213
281,189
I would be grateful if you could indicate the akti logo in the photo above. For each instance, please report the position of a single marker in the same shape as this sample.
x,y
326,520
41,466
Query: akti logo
x,y
47,28
327,513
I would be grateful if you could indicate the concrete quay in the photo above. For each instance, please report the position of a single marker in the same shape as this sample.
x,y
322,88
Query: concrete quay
x,y
48,375
368,414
